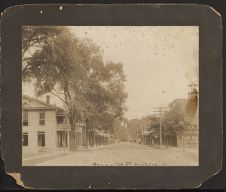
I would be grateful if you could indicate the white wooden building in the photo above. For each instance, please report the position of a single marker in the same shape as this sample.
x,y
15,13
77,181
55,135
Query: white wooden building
x,y
44,126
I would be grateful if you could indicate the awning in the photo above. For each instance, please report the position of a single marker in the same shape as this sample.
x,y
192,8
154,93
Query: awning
x,y
103,134
149,132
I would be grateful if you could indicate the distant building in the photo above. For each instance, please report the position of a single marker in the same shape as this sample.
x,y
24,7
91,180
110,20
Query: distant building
x,y
190,109
179,105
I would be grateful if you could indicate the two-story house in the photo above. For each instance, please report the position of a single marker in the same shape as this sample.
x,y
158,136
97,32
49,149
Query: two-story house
x,y
45,125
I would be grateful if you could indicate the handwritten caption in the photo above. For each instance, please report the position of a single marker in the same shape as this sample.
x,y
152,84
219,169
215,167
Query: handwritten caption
x,y
128,164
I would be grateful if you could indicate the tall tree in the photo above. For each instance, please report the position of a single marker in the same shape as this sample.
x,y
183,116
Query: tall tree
x,y
106,94
173,122
34,38
60,67
74,71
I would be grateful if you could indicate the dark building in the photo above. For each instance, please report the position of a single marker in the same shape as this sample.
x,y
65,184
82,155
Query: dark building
x,y
190,109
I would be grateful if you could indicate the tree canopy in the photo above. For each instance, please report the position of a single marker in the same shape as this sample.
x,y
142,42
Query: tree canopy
x,y
173,122
74,70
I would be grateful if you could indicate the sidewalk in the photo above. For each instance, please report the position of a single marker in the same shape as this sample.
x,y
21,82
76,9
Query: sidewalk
x,y
30,159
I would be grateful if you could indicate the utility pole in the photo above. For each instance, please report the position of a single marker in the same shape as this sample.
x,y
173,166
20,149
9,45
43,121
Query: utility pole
x,y
142,133
160,111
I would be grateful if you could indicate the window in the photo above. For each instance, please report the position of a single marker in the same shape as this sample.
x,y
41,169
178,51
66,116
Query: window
x,y
41,139
41,118
25,118
60,119
25,139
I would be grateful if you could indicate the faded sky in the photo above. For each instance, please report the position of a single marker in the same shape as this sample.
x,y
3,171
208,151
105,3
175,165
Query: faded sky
x,y
159,61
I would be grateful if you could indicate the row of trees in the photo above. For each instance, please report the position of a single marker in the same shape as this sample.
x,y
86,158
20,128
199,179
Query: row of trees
x,y
172,123
74,71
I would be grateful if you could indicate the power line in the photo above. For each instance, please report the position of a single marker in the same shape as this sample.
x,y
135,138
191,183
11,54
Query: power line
x,y
160,112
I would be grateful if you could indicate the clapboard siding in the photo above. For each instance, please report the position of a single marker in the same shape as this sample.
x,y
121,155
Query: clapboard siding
x,y
33,128
34,107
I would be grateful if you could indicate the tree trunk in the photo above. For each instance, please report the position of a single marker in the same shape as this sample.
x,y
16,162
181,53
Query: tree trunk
x,y
87,138
88,130
92,137
73,145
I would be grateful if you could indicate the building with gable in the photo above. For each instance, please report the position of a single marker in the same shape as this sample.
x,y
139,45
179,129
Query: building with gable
x,y
45,127
189,107
188,136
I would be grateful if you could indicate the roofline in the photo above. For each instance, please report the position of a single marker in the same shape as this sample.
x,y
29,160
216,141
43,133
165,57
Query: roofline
x,y
180,99
42,102
175,100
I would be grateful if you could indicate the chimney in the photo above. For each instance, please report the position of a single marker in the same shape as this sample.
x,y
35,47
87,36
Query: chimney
x,y
48,99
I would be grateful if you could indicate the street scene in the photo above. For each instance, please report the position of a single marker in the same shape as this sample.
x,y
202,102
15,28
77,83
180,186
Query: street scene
x,y
120,154
110,96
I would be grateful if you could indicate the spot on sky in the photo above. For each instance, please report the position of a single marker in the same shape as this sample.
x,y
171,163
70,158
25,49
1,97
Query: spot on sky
x,y
159,61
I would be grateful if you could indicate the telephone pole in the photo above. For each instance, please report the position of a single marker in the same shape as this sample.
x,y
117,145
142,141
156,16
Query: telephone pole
x,y
160,111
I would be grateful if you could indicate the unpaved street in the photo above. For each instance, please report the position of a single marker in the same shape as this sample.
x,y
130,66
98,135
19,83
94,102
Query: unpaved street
x,y
124,154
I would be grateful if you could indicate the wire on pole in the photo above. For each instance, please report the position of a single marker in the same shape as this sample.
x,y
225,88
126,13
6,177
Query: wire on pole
x,y
160,111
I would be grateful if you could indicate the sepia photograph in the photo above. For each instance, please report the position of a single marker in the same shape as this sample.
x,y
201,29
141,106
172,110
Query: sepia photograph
x,y
110,95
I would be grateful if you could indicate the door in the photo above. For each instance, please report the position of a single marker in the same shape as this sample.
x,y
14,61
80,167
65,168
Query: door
x,y
41,140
